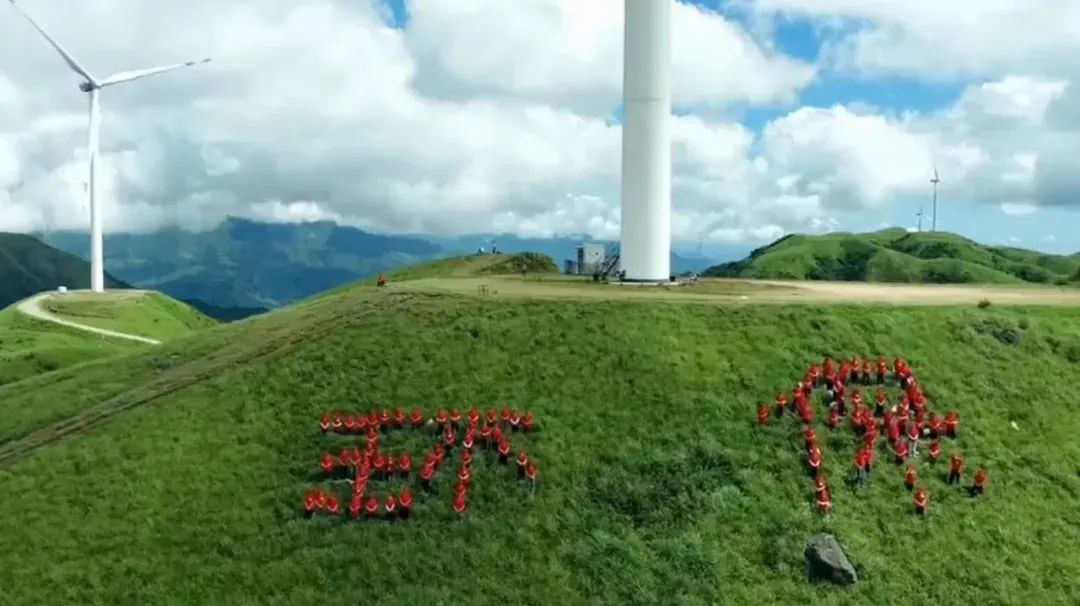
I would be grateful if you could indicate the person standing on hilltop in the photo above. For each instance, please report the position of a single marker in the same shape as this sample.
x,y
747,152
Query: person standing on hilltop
x,y
956,467
980,482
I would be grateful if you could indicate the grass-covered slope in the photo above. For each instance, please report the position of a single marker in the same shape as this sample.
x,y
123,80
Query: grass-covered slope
x,y
31,347
895,255
143,313
28,266
657,486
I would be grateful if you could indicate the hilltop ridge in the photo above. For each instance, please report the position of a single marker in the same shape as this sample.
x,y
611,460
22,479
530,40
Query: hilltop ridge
x,y
896,255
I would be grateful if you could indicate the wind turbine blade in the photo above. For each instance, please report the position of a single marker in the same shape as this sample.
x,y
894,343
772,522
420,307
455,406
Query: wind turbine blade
x,y
936,178
72,63
135,74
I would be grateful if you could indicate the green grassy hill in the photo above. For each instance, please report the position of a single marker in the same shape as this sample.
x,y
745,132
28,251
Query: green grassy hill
x,y
143,313
28,266
175,474
895,255
31,347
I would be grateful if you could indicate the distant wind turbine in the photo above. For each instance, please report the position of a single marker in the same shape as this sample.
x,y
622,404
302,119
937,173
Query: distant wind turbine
x,y
933,219
93,86
920,216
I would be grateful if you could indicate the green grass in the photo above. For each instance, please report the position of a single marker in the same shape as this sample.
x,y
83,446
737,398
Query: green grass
x,y
894,255
657,485
147,314
29,347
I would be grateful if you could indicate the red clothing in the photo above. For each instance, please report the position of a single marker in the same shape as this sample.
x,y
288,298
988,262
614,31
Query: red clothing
x,y
527,421
909,477
417,418
935,450
823,502
900,450
781,402
455,416
406,499
391,504
372,506
332,505
406,463
814,460
956,464
980,478
491,416
427,472
324,423
862,459
460,504
327,463
763,415
834,417
921,500
530,471
399,418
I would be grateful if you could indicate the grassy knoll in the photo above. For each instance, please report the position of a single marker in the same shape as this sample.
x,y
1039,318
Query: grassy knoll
x,y
143,313
895,255
657,485
30,347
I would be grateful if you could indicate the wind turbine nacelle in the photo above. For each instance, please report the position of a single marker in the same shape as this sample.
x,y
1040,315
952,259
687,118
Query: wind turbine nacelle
x,y
86,87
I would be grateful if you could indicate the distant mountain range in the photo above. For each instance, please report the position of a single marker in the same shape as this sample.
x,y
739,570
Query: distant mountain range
x,y
896,255
27,267
244,267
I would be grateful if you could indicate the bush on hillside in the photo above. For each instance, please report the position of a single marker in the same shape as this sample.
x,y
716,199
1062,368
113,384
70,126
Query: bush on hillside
x,y
533,263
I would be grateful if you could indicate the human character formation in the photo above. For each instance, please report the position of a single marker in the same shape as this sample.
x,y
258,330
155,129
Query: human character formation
x,y
909,428
448,435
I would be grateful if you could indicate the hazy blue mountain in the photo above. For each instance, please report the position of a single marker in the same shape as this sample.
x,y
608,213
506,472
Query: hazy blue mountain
x,y
248,264
244,266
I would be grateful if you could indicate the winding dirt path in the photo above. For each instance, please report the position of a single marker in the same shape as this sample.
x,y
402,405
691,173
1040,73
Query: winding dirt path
x,y
32,307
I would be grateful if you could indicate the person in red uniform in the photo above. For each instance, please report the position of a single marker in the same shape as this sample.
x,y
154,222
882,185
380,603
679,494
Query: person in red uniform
x,y
426,474
464,473
515,420
371,508
440,454
820,484
405,465
956,467
474,416
763,414
355,506
909,477
332,506
328,463
442,418
324,423
384,420
862,461
505,417
485,434
807,414
449,438
824,503
337,423
881,402
809,438
405,502
867,372
466,457
417,418
871,434
399,418
781,404
470,439
522,462
882,369
900,451
530,473
492,417
921,500
913,439
980,482
814,462
311,503
504,451
455,418
935,450
391,507
460,504
527,421
952,424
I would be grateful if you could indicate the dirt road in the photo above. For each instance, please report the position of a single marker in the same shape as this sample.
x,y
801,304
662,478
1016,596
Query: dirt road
x,y
725,291
32,307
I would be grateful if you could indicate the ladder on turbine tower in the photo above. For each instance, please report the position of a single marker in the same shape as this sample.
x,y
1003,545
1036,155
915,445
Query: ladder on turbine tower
x,y
610,262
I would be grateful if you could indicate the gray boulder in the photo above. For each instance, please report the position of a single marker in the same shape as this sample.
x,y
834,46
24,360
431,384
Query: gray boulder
x,y
826,561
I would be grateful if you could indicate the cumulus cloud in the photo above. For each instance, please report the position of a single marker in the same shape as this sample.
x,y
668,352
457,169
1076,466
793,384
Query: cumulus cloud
x,y
484,115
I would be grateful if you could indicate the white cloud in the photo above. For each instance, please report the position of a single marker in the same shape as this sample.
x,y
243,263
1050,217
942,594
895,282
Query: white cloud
x,y
1018,209
943,40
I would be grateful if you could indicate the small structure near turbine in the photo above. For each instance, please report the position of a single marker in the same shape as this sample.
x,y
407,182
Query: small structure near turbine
x,y
92,86
646,145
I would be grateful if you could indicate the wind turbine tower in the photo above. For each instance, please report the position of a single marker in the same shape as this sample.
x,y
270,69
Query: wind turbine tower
x,y
933,217
92,86
645,251
920,216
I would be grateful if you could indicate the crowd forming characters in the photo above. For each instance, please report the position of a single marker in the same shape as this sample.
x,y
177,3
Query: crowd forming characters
x,y
906,423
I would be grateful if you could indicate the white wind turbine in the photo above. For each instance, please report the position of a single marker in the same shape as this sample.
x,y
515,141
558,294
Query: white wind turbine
x,y
93,86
